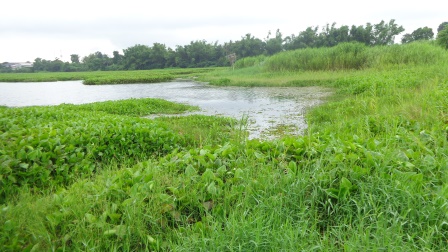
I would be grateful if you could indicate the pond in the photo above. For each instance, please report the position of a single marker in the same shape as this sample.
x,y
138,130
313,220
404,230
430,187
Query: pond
x,y
269,110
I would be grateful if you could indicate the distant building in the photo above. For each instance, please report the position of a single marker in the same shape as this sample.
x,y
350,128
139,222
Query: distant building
x,y
17,65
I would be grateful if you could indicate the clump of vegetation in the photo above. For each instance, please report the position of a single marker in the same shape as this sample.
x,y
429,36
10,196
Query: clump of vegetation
x,y
250,61
347,56
133,107
46,147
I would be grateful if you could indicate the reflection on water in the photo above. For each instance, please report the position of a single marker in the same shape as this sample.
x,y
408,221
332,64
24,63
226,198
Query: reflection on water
x,y
266,108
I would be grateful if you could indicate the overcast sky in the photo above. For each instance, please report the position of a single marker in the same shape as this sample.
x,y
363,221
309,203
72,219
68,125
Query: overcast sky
x,y
55,28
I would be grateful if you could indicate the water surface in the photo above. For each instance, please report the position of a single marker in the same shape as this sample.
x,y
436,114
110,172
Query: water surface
x,y
268,109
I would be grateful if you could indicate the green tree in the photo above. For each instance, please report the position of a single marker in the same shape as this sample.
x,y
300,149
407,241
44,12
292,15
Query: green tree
x,y
96,61
170,58
384,33
117,58
275,44
424,33
38,65
442,26
307,38
442,37
248,46
182,59
331,35
74,58
362,34
55,66
200,53
157,56
137,57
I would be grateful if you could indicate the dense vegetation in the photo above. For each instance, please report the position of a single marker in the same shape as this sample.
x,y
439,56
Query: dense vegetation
x,y
201,53
370,173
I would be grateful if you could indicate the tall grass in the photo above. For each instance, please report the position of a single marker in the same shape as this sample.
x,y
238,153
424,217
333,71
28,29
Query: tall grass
x,y
348,56
250,61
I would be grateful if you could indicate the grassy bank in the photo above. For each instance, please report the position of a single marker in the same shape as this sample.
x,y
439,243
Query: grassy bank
x,y
370,173
105,77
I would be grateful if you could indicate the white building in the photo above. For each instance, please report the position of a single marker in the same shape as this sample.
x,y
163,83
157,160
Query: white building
x,y
18,65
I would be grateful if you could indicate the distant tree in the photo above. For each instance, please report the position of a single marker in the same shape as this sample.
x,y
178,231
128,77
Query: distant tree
x,y
331,35
248,46
96,61
407,38
220,54
384,33
200,53
38,65
157,56
117,58
307,38
181,57
170,58
424,33
56,65
362,34
442,26
275,44
137,57
74,58
442,37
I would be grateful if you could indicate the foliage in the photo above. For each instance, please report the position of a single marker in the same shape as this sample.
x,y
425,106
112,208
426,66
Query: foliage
x,y
442,38
50,146
250,61
424,33
332,36
384,33
97,61
307,38
354,56
442,26
74,58
372,35
133,107
274,45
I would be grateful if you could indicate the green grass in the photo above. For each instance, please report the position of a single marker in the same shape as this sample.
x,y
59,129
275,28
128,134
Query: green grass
x,y
370,174
134,107
348,56
105,77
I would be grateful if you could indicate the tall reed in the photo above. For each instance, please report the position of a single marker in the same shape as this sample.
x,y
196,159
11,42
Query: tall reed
x,y
347,56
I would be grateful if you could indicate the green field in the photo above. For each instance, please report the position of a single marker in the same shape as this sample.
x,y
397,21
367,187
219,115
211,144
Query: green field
x,y
370,174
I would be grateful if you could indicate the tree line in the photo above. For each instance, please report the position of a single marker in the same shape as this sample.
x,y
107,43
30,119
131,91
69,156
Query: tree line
x,y
201,53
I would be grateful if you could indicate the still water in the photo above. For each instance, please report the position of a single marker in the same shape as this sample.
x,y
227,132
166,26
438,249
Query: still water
x,y
267,109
